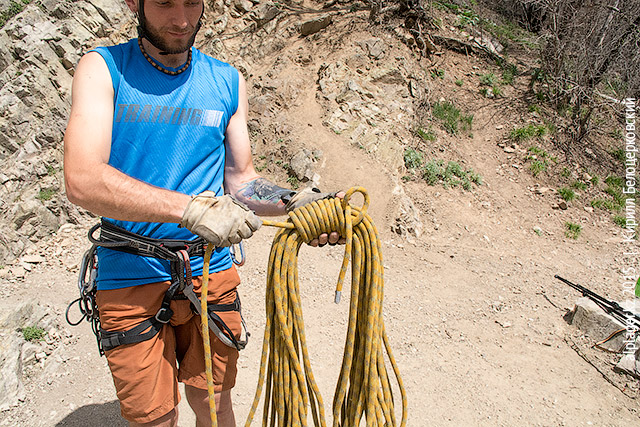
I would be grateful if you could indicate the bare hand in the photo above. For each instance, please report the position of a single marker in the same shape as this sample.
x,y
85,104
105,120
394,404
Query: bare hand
x,y
332,238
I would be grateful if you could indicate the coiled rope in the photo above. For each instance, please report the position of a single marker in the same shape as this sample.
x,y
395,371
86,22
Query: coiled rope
x,y
364,387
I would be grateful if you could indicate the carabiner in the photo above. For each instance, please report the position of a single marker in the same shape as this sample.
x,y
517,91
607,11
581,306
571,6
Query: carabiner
x,y
234,258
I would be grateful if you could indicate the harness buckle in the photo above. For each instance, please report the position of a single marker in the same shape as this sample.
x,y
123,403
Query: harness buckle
x,y
164,315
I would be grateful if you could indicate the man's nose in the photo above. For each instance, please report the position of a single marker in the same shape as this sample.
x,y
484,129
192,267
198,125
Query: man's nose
x,y
179,16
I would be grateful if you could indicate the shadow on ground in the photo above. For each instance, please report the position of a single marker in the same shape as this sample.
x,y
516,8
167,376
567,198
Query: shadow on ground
x,y
98,415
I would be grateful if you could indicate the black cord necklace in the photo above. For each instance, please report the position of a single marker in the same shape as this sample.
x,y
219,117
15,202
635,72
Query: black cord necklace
x,y
160,67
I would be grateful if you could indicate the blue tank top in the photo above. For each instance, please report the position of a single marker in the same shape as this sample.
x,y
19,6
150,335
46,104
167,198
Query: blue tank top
x,y
168,131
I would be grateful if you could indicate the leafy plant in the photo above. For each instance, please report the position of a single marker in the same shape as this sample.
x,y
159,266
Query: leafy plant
x,y
451,174
33,333
539,160
527,132
509,73
450,116
488,79
45,194
413,159
537,166
567,194
459,82
426,134
573,230
618,154
293,182
437,73
620,220
579,185
602,204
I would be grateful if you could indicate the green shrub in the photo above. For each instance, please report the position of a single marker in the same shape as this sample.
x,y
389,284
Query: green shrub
x,y
451,174
450,117
567,194
579,185
437,73
537,166
614,181
572,230
527,132
488,79
45,194
426,134
33,333
448,114
620,220
413,159
509,72
431,172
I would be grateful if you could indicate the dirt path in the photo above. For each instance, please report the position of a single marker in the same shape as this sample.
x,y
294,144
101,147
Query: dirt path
x,y
471,307
467,307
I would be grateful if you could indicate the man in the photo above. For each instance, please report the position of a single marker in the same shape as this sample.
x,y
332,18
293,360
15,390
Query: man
x,y
156,136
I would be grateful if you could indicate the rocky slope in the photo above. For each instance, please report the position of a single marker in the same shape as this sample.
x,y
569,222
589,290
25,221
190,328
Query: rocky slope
x,y
470,304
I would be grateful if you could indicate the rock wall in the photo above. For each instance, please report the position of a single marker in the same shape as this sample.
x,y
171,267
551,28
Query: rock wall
x,y
39,49
366,88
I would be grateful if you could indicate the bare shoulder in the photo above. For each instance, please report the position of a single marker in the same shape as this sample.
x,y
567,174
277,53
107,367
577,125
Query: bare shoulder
x,y
92,75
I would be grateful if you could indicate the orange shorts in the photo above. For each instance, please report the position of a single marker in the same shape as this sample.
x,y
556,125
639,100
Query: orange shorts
x,y
146,374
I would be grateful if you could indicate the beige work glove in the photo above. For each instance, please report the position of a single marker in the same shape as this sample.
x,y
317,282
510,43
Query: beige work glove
x,y
222,220
307,195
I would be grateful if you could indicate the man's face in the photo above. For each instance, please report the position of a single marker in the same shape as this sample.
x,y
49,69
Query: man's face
x,y
171,25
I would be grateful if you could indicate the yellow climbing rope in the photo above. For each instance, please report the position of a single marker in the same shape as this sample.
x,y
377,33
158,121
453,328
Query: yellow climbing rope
x,y
364,387
204,320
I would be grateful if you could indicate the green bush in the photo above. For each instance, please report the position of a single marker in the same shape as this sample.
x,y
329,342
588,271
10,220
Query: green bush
x,y
426,134
413,159
451,117
45,194
567,194
451,174
620,220
33,333
448,114
527,132
572,230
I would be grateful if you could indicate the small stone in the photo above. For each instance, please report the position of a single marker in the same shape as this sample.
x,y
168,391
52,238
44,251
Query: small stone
x,y
588,209
504,324
563,205
33,259
509,150
18,272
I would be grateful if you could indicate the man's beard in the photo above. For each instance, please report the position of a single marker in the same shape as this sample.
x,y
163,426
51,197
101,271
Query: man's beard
x,y
160,43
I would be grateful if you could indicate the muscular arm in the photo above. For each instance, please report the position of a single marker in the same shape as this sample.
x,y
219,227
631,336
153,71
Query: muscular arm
x,y
240,177
90,182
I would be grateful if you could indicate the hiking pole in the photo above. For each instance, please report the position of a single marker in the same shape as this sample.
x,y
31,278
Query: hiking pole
x,y
612,308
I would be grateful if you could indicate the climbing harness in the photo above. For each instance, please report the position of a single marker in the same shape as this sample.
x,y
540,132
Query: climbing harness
x,y
178,253
364,387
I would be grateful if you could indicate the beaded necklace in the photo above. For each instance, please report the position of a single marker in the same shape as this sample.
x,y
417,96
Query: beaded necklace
x,y
160,67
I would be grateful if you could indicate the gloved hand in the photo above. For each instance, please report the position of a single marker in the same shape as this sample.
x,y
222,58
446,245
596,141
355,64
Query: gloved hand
x,y
307,195
222,220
